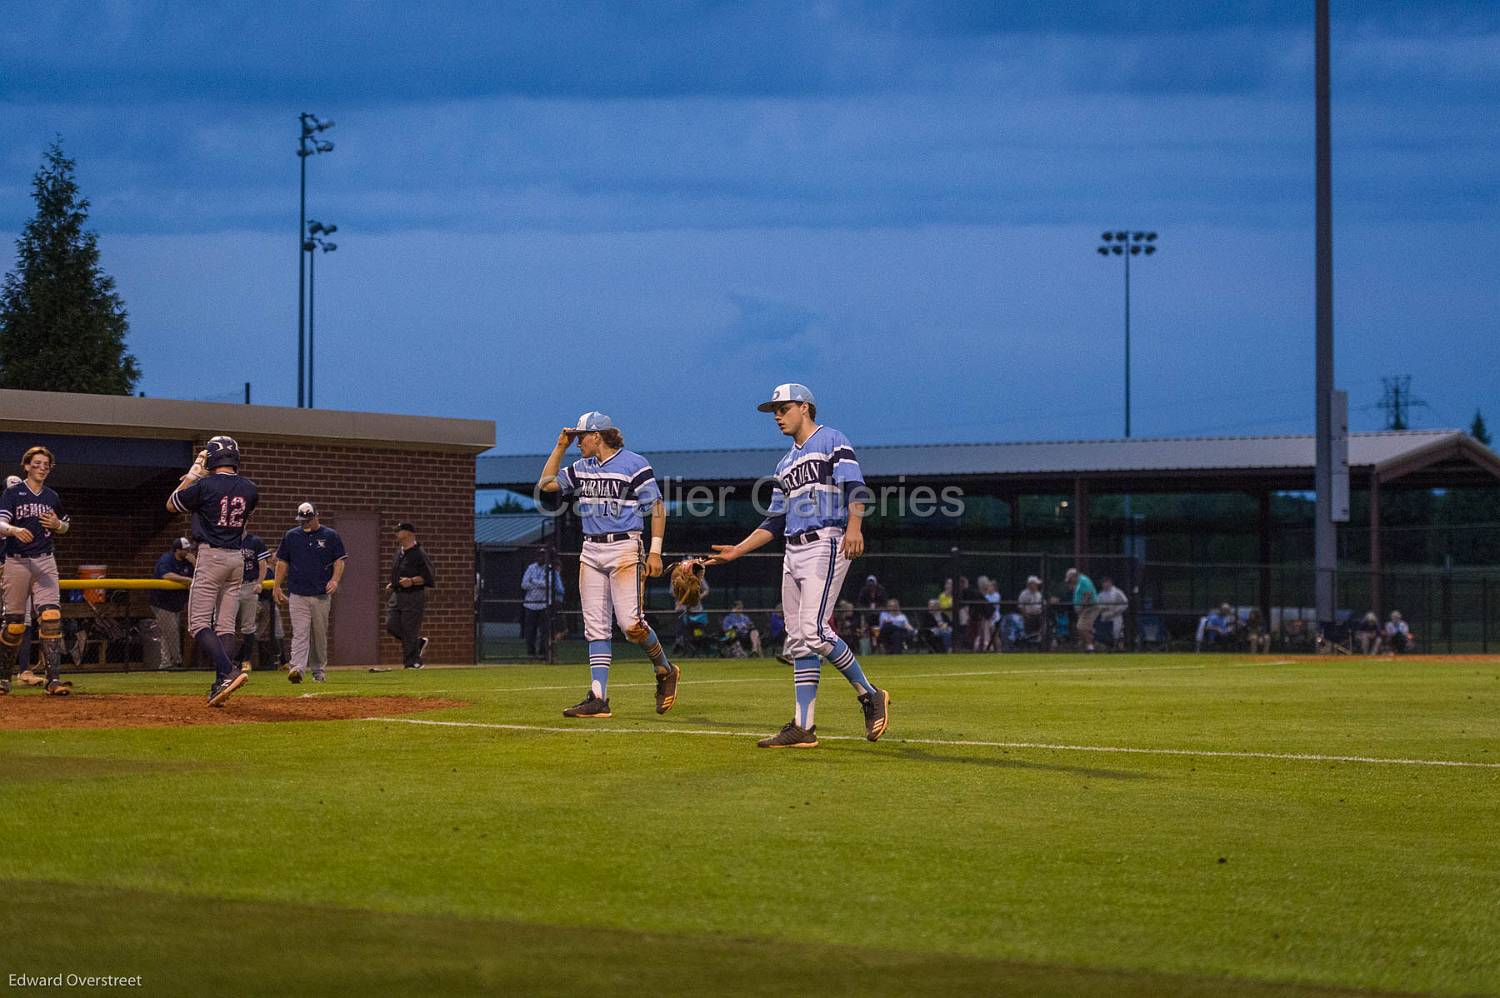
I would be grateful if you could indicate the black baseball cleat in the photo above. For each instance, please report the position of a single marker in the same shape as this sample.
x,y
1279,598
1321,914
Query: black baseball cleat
x,y
666,689
791,736
877,708
4,687
59,688
589,706
222,691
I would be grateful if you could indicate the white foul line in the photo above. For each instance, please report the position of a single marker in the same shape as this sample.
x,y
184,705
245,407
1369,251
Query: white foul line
x,y
1045,746
782,677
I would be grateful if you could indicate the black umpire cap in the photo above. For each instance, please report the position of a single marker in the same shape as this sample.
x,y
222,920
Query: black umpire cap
x,y
405,525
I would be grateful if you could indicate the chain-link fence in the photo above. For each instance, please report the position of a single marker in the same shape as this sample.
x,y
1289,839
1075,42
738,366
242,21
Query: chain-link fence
x,y
979,600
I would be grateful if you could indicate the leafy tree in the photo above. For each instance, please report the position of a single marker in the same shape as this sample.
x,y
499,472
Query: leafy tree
x,y
62,326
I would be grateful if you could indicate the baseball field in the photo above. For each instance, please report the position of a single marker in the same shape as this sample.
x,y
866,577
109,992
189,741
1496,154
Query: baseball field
x,y
1126,825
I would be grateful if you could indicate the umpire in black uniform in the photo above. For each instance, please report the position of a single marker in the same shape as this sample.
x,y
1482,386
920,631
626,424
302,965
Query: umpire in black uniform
x,y
411,577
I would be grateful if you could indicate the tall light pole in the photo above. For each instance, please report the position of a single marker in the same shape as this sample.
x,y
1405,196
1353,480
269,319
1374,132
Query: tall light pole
x,y
1127,245
311,245
1326,471
308,145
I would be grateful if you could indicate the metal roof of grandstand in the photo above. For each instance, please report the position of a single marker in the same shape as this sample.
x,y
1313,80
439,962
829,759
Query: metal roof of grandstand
x,y
508,529
1389,454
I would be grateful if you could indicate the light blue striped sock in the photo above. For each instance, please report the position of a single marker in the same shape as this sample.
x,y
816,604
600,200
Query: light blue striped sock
x,y
654,651
805,675
842,657
599,658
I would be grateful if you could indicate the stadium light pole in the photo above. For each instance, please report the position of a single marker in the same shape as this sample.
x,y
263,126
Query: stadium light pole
x,y
1127,244
308,145
1325,539
311,245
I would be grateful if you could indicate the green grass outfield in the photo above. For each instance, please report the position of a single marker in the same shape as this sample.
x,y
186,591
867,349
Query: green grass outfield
x,y
999,840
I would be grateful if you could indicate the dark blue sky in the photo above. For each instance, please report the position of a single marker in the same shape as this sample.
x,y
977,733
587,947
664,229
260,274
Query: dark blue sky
x,y
662,210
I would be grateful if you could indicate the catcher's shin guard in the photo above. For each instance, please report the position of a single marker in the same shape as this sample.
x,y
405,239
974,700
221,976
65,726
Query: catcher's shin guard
x,y
12,631
49,629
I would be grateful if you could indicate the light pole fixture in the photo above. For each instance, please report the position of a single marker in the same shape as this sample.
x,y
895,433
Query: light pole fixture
x,y
311,246
307,145
1127,244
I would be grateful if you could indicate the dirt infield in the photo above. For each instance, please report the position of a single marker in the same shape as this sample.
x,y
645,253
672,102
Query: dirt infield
x,y
122,710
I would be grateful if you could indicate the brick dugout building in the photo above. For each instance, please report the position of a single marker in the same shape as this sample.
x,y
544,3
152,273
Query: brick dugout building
x,y
118,457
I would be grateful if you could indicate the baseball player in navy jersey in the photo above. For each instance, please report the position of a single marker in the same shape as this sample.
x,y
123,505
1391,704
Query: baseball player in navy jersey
x,y
31,514
220,500
817,504
258,568
615,488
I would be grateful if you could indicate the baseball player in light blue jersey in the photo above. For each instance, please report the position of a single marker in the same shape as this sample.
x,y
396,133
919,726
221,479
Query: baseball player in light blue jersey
x,y
817,504
615,489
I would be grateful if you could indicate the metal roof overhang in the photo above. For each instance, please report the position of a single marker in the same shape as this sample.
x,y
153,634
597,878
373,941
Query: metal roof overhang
x,y
1417,459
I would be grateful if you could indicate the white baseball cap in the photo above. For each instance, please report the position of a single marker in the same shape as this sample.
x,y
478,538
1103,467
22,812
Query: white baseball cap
x,y
790,392
591,421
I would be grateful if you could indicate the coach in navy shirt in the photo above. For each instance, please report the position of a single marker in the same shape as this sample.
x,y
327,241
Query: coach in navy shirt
x,y
167,604
310,562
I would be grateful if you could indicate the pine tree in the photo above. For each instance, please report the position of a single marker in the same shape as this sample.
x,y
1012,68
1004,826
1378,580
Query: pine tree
x,y
62,326
1478,430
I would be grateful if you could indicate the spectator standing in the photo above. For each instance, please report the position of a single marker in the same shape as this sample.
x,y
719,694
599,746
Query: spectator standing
x,y
872,597
1112,606
992,597
972,609
167,604
1085,605
945,598
1397,634
411,577
535,600
258,568
310,562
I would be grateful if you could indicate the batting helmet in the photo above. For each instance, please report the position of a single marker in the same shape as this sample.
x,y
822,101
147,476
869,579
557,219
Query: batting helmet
x,y
221,451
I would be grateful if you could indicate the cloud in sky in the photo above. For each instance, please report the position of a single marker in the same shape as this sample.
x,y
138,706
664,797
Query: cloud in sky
x,y
567,203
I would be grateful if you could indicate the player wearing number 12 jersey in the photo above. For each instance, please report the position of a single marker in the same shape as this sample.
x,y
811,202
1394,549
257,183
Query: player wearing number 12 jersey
x,y
220,500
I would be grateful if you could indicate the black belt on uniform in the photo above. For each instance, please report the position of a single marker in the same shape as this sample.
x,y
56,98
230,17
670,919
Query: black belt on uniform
x,y
806,537
606,538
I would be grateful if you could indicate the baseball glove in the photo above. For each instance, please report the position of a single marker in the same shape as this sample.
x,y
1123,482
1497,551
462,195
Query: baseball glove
x,y
687,581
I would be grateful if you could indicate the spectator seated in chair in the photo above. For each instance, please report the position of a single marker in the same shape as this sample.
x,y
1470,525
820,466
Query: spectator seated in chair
x,y
937,628
1368,634
1398,636
894,629
692,637
739,635
1297,636
1214,629
1257,638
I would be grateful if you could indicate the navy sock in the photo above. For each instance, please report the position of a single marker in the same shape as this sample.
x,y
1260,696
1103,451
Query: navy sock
x,y
210,645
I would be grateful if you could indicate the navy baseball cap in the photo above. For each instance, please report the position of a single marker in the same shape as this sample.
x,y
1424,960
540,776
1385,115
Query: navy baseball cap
x,y
182,544
791,392
306,512
405,525
591,421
